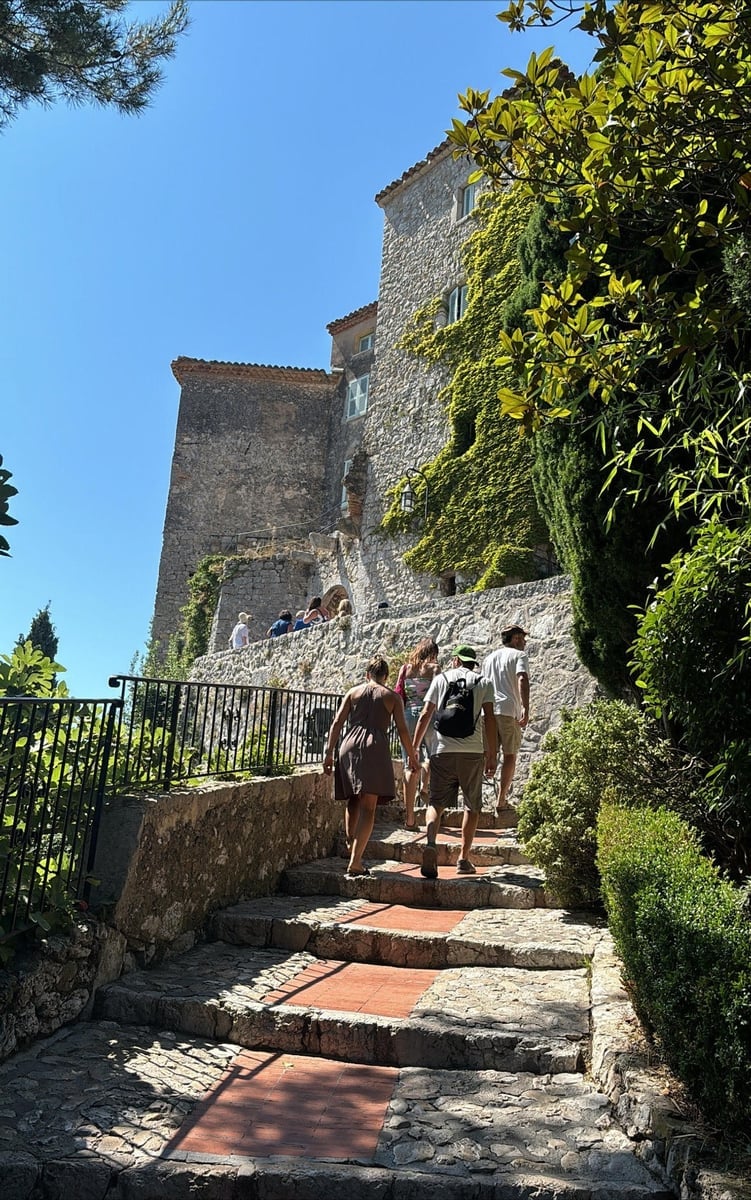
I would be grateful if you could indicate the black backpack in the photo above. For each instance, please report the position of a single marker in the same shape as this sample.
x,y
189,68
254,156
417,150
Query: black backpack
x,y
456,716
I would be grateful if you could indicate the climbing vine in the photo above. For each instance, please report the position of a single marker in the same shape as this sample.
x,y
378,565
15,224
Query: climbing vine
x,y
483,521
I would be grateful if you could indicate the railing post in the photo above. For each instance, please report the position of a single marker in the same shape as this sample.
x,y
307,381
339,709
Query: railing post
x,y
115,706
172,738
270,741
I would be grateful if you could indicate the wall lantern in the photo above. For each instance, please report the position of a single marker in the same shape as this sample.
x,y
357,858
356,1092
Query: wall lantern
x,y
408,496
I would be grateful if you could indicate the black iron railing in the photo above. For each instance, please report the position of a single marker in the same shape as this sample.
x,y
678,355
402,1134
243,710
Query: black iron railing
x,y
170,731
54,761
59,756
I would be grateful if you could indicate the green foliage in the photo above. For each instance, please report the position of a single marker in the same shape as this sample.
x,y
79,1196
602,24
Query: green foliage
x,y
693,659
42,633
28,672
6,491
82,51
612,565
174,663
482,519
197,615
685,943
605,750
646,157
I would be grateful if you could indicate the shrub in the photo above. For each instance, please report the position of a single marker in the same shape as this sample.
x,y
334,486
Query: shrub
x,y
606,749
693,658
685,943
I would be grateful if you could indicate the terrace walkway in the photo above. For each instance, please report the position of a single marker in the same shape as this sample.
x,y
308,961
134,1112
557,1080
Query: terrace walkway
x,y
387,1037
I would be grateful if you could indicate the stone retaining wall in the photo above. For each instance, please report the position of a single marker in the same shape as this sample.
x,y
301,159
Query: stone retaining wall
x,y
333,657
165,864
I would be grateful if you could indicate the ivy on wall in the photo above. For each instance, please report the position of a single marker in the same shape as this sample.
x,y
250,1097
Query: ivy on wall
x,y
482,521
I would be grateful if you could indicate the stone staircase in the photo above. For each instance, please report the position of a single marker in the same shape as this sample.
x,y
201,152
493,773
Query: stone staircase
x,y
386,1037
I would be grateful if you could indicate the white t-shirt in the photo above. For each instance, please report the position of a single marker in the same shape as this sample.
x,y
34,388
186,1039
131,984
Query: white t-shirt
x,y
503,668
482,693
240,636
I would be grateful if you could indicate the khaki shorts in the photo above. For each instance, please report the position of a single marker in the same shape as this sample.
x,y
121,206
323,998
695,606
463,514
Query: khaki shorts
x,y
509,733
451,771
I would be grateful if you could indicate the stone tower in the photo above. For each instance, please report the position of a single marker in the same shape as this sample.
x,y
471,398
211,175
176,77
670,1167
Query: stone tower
x,y
304,459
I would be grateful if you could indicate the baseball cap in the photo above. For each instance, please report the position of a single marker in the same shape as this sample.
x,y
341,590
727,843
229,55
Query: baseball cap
x,y
466,655
510,629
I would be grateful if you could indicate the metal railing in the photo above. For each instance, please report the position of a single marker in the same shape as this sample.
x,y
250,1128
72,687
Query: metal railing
x,y
170,730
59,756
54,760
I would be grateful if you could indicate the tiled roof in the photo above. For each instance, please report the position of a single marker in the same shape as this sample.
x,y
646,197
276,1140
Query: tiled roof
x,y
183,367
436,153
353,318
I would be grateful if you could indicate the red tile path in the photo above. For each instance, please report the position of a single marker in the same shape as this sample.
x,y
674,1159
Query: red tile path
x,y
269,1103
355,987
400,916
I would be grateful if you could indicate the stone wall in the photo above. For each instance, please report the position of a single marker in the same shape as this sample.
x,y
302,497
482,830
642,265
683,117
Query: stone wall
x,y
53,983
332,657
249,457
203,848
262,588
165,863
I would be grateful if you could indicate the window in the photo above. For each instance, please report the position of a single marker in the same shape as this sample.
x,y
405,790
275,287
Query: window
x,y
467,199
357,396
365,342
347,468
457,303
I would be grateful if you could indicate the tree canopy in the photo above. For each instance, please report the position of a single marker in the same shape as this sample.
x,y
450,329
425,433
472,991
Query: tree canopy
x,y
650,150
82,51
42,634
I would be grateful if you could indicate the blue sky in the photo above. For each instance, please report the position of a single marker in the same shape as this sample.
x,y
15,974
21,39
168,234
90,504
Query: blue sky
x,y
233,220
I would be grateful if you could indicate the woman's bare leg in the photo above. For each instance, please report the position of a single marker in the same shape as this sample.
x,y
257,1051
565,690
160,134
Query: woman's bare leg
x,y
411,780
350,819
361,829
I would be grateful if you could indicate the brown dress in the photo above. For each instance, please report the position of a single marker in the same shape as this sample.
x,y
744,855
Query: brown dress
x,y
364,765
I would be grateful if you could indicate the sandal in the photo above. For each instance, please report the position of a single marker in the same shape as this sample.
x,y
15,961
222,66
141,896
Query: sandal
x,y
356,874
413,828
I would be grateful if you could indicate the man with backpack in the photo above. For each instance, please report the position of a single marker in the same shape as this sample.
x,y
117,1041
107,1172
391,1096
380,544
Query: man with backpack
x,y
465,749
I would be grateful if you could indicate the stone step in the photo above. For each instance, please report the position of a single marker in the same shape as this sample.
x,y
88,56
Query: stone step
x,y
462,1018
451,818
390,841
359,930
393,882
100,1109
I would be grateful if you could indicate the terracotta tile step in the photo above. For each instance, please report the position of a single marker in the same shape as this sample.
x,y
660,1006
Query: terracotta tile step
x,y
361,930
396,882
136,1114
462,1018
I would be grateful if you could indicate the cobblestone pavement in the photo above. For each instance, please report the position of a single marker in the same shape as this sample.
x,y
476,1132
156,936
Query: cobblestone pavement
x,y
98,1101
340,1044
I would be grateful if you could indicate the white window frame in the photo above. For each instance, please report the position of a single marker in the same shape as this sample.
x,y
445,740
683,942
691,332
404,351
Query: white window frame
x,y
467,199
357,396
366,337
344,502
457,303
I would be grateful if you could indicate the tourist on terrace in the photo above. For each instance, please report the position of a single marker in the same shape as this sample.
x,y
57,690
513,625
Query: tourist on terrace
x,y
240,636
282,625
315,615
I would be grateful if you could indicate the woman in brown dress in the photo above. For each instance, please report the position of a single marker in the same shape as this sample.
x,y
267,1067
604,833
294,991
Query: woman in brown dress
x,y
365,771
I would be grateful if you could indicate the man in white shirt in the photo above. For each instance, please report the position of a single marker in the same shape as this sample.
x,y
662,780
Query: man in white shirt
x,y
457,762
508,670
240,636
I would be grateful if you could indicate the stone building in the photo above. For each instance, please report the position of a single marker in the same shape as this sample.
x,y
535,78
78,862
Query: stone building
x,y
288,471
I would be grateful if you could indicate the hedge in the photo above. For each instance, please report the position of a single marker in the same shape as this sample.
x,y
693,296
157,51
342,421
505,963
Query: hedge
x,y
685,943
